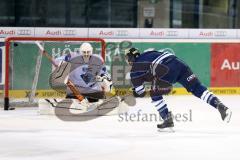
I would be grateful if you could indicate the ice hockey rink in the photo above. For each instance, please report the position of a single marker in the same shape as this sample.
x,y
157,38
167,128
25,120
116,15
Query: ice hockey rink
x,y
199,134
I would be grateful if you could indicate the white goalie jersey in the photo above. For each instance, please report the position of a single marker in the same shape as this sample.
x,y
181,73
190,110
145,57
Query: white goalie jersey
x,y
87,77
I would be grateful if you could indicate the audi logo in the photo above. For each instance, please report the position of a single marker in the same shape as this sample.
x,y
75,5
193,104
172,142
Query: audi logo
x,y
172,33
24,32
69,32
220,33
122,33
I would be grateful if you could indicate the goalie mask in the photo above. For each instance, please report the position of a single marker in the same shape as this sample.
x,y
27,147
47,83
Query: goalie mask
x,y
131,54
86,51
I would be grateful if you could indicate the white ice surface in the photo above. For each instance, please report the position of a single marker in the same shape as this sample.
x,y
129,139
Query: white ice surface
x,y
25,135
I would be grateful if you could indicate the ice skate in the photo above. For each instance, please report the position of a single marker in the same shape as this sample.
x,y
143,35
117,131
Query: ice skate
x,y
76,105
85,106
167,124
225,112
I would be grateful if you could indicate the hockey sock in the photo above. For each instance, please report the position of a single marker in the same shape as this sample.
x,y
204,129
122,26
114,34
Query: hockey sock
x,y
161,107
210,98
203,93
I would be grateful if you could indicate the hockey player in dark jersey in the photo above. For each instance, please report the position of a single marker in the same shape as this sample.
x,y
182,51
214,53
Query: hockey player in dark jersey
x,y
163,69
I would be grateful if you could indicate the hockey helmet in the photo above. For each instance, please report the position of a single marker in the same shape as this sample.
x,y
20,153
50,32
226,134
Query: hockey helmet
x,y
86,50
131,54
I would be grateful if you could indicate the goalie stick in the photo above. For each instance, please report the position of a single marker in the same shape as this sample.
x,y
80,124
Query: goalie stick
x,y
71,86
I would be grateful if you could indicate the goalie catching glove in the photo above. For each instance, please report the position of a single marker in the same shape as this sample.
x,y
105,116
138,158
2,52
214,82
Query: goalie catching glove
x,y
105,81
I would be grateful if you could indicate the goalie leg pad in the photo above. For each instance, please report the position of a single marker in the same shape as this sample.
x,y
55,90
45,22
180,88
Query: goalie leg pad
x,y
112,106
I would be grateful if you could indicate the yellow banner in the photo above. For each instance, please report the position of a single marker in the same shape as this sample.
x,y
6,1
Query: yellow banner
x,y
175,91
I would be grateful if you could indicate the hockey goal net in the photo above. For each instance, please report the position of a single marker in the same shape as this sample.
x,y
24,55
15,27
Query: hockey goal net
x,y
27,70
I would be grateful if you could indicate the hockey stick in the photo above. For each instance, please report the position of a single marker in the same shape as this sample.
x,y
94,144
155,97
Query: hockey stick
x,y
70,85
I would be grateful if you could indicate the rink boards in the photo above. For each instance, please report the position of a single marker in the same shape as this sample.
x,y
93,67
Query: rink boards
x,y
175,91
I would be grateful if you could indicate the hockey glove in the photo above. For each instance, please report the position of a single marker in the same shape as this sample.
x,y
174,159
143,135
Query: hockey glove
x,y
105,81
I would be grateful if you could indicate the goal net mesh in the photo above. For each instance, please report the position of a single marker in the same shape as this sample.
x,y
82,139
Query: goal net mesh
x,y
28,71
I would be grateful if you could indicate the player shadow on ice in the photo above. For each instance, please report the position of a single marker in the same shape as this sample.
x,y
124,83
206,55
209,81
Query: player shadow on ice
x,y
64,110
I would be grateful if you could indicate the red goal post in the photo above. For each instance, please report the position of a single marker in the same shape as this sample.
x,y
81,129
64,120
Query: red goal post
x,y
10,40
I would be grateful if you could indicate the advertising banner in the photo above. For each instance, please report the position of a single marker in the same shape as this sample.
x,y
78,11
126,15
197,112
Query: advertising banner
x,y
155,33
122,33
1,62
225,65
16,31
61,32
216,64
212,33
111,33
196,55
